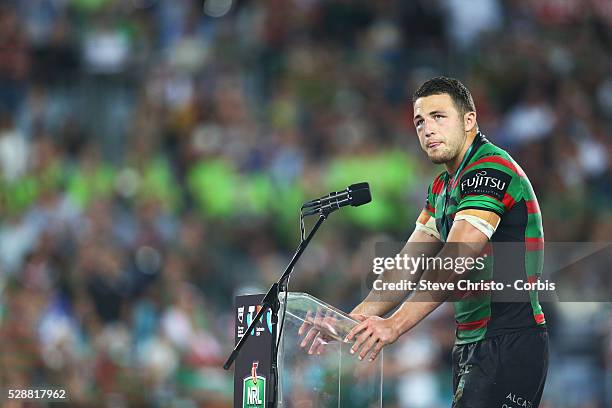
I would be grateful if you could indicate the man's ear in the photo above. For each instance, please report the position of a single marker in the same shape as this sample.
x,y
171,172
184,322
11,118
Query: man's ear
x,y
469,121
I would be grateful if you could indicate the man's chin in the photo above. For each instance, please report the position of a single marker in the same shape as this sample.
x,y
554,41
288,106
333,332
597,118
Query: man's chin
x,y
439,159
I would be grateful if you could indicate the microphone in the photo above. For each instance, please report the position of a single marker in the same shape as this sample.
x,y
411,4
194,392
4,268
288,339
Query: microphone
x,y
354,195
336,195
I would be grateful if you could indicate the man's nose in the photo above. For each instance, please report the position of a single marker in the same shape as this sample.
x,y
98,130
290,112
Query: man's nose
x,y
428,129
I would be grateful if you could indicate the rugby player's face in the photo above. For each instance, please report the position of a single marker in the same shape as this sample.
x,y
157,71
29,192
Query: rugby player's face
x,y
440,127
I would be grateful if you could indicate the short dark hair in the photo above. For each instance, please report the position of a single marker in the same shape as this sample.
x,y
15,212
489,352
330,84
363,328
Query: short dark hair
x,y
460,95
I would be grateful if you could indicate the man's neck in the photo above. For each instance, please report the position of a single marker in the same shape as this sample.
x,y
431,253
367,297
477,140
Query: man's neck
x,y
453,165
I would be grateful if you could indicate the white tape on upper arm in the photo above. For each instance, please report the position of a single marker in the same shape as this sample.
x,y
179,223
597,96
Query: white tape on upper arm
x,y
478,223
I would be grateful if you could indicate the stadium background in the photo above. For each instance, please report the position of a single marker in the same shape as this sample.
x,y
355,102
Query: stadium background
x,y
153,155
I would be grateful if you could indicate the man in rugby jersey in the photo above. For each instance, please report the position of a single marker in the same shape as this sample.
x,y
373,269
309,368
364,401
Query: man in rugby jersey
x,y
500,357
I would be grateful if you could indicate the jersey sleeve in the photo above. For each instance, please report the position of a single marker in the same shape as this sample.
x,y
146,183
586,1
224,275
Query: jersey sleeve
x,y
491,183
427,219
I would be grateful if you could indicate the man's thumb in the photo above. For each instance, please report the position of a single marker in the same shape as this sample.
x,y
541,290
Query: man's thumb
x,y
358,316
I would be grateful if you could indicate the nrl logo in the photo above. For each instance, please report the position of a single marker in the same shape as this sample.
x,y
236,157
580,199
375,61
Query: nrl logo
x,y
254,390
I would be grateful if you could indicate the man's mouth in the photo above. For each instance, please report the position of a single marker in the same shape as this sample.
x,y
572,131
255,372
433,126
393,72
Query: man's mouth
x,y
433,145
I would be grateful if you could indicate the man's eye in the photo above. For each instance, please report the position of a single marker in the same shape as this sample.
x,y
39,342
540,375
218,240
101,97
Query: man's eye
x,y
438,116
419,122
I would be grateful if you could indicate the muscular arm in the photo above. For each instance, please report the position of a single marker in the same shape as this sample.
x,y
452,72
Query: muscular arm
x,y
472,242
374,333
377,303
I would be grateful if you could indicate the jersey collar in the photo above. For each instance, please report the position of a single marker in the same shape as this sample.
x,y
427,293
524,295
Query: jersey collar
x,y
478,141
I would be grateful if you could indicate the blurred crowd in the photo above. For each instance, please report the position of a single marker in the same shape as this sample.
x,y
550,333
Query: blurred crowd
x,y
154,154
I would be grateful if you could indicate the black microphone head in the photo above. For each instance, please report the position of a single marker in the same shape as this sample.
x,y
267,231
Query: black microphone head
x,y
360,194
358,186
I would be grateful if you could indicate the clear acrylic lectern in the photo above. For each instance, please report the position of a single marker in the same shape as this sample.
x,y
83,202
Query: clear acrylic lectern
x,y
333,378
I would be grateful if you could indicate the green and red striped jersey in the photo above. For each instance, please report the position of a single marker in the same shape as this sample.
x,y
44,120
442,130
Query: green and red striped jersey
x,y
490,180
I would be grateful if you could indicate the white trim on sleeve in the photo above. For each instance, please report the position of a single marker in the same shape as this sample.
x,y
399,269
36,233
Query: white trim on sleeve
x,y
429,228
478,223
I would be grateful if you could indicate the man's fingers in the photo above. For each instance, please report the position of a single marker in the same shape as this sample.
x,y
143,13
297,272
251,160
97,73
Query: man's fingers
x,y
309,323
312,333
371,342
363,337
321,345
329,323
318,318
315,339
376,351
318,344
359,317
306,325
355,330
314,343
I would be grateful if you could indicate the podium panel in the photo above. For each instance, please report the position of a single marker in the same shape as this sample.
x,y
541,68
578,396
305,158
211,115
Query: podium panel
x,y
333,378
252,381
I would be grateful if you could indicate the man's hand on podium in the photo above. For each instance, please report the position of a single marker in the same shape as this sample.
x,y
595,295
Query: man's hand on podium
x,y
373,334
319,330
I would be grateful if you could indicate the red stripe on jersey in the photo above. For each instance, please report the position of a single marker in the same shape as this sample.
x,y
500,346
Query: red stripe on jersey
x,y
476,324
438,184
532,279
534,244
487,250
532,206
539,318
508,201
